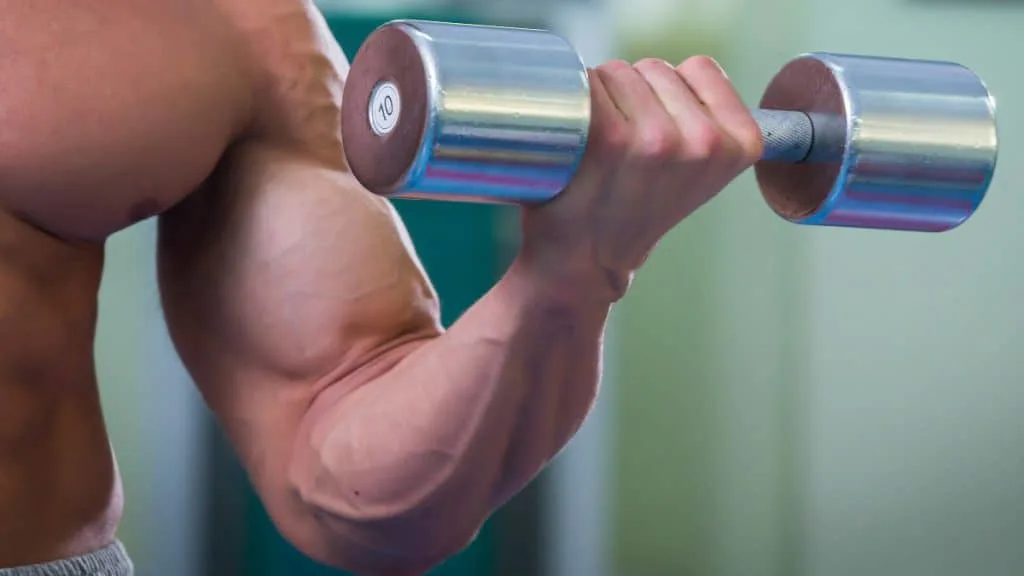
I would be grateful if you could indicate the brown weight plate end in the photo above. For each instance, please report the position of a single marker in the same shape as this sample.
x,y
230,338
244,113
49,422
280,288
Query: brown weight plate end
x,y
797,191
388,70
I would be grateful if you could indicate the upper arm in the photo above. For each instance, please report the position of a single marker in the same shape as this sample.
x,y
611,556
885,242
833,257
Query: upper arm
x,y
279,278
113,110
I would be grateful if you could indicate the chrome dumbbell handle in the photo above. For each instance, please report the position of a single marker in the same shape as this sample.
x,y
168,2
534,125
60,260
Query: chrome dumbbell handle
x,y
793,136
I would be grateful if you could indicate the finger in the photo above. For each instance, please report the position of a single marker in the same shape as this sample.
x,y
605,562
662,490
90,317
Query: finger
x,y
601,98
670,88
679,100
608,125
711,85
630,91
652,135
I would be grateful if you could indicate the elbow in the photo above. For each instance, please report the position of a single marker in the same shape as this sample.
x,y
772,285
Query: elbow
x,y
383,521
402,548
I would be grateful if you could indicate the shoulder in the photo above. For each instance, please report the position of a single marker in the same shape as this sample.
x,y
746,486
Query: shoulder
x,y
300,71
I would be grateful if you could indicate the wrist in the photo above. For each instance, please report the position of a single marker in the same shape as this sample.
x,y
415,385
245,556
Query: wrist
x,y
568,280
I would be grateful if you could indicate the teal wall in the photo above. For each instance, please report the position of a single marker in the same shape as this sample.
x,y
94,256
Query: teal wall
x,y
126,294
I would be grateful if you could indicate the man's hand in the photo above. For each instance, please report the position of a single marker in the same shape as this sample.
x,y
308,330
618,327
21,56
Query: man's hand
x,y
663,142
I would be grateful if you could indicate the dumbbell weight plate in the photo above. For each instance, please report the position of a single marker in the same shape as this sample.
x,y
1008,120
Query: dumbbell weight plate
x,y
899,144
465,112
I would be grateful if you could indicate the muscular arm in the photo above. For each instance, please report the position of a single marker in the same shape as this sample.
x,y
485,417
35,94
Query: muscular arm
x,y
377,440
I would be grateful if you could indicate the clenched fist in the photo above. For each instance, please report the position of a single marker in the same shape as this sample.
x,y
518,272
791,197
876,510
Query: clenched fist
x,y
664,140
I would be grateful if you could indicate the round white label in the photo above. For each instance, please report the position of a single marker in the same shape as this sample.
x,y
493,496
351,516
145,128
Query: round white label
x,y
385,107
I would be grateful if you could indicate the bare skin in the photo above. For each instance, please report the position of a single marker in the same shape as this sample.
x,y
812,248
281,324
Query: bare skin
x,y
378,441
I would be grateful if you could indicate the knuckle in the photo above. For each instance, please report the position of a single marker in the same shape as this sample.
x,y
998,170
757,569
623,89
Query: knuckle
x,y
701,64
651,64
750,140
705,140
614,66
613,141
658,143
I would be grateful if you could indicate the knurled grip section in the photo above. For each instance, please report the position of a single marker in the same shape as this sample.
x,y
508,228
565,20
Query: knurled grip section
x,y
788,136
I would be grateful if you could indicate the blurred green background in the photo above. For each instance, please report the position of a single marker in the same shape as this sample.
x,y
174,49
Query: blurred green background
x,y
780,401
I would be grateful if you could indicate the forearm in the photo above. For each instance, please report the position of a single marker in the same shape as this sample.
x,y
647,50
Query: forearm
x,y
419,455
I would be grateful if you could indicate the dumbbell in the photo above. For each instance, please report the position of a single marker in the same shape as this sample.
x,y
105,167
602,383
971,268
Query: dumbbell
x,y
491,114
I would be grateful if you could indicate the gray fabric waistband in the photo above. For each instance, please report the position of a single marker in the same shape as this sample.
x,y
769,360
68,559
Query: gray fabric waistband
x,y
111,560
